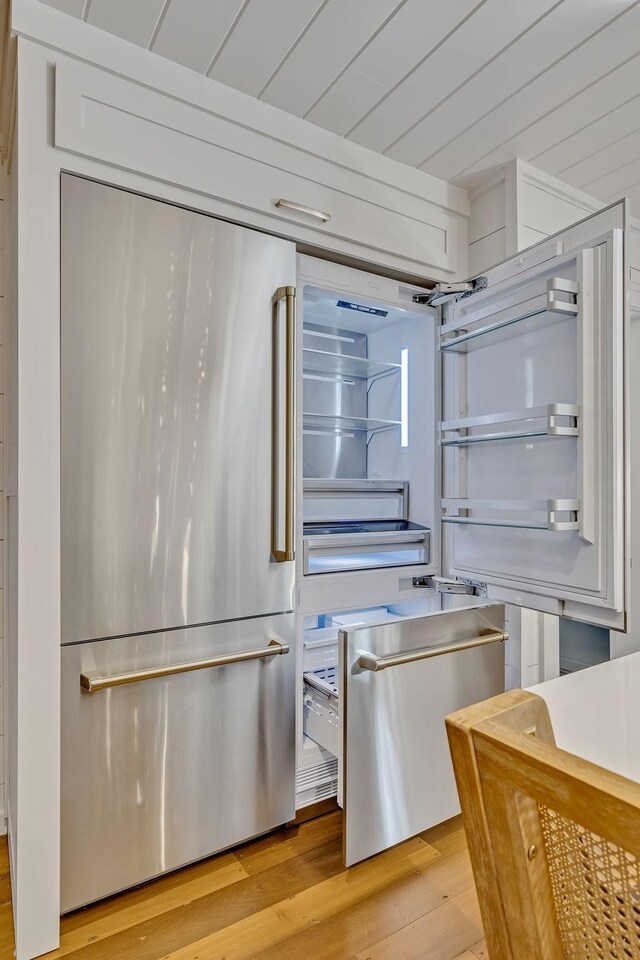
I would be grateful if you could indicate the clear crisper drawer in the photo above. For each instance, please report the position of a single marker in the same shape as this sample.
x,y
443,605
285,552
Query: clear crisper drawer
x,y
331,548
321,717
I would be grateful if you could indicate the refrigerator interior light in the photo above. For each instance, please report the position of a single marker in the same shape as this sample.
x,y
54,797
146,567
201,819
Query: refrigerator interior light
x,y
404,397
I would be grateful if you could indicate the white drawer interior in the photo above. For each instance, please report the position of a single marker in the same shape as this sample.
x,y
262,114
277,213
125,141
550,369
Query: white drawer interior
x,y
321,717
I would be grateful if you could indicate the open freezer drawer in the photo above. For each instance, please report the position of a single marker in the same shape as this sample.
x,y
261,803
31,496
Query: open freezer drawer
x,y
398,681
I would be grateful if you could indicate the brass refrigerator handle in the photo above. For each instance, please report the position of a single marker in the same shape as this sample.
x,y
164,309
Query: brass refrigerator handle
x,y
367,661
92,682
288,294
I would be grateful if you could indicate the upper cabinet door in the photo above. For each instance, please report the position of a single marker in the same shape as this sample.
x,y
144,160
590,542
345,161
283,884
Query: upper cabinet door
x,y
533,430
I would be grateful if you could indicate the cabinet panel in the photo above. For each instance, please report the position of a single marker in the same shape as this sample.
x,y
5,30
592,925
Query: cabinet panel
x,y
139,129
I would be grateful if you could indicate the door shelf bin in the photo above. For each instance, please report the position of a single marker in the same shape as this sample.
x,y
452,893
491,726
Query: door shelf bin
x,y
540,311
321,718
555,515
551,420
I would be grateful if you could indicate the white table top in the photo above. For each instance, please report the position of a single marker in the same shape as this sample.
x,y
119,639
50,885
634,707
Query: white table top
x,y
596,713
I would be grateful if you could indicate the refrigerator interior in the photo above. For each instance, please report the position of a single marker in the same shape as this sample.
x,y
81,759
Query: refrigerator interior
x,y
368,399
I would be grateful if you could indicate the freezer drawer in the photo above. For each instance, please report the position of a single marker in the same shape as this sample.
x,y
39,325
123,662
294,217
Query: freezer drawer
x,y
160,770
398,682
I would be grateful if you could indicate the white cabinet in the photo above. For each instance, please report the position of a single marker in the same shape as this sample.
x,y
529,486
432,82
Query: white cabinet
x,y
334,195
517,207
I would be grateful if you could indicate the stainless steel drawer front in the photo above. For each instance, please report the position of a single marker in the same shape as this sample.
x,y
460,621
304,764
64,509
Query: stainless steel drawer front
x,y
160,773
399,681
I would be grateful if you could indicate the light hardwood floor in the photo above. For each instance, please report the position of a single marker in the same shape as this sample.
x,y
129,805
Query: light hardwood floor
x,y
287,897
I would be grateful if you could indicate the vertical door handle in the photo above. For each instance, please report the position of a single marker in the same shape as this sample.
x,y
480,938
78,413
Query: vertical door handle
x,y
283,428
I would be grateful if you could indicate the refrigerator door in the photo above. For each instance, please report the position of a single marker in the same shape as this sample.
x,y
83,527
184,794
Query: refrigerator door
x,y
399,681
172,766
533,430
167,416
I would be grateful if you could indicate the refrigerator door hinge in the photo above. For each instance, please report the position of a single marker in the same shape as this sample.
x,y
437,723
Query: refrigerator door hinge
x,y
442,292
471,588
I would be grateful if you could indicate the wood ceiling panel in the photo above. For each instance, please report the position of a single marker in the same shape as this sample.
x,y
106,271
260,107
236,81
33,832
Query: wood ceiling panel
x,y
409,37
552,37
497,138
133,20
193,32
337,35
494,25
610,157
262,37
634,196
618,182
580,128
454,88
74,8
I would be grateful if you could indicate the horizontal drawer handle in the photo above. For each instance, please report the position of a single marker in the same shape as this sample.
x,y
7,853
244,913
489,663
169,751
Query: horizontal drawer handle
x,y
338,540
300,208
367,661
92,682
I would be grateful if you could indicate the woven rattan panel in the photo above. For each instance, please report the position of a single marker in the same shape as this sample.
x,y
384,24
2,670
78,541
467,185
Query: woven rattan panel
x,y
596,888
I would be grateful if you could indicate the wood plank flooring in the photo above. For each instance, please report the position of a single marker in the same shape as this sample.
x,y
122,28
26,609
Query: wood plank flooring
x,y
286,897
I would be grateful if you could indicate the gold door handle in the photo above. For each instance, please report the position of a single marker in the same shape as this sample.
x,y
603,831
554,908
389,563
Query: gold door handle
x,y
283,440
92,682
367,661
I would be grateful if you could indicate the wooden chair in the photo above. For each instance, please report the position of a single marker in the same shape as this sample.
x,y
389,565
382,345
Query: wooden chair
x,y
554,840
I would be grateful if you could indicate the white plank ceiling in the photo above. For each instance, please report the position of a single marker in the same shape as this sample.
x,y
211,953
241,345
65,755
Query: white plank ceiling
x,y
452,87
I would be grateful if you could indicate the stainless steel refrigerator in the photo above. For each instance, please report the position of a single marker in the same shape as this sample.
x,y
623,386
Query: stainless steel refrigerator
x,y
177,584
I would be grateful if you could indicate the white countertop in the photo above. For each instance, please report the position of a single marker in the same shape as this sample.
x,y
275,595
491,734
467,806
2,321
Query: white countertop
x,y
596,713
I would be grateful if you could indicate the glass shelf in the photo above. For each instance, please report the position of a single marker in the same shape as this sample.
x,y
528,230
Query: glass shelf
x,y
363,368
533,422
322,421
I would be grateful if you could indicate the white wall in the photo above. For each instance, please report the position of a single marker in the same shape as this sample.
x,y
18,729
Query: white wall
x,y
3,707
